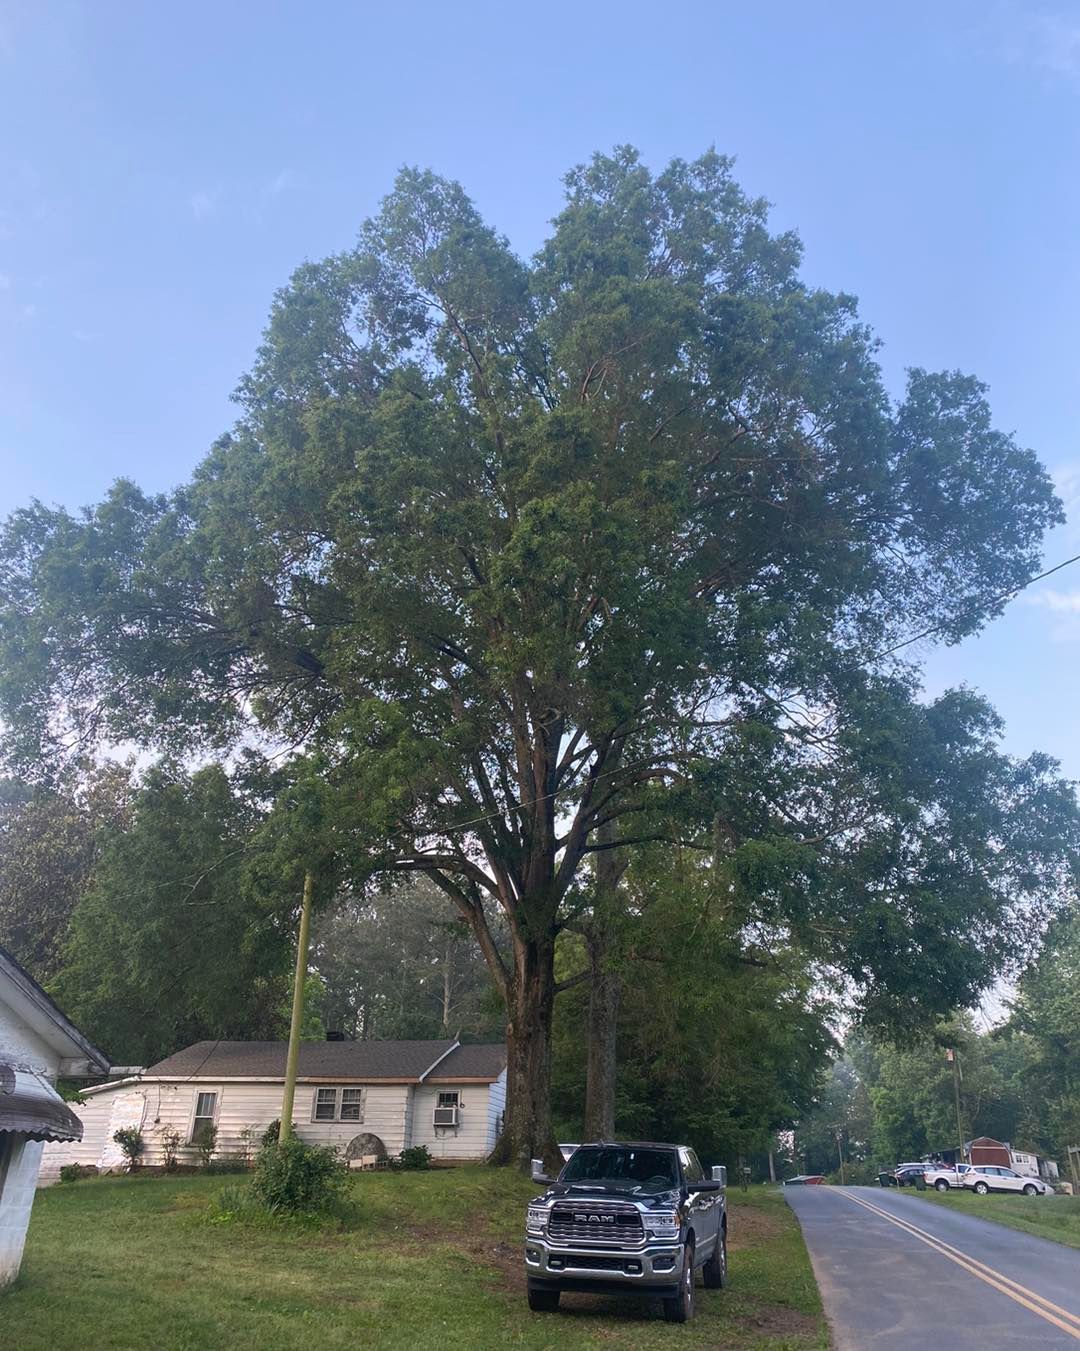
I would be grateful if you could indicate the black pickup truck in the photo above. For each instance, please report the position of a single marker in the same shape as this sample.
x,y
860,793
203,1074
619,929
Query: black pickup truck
x,y
627,1219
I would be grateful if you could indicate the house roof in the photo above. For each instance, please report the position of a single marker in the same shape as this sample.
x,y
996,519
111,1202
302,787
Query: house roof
x,y
366,1060
22,993
484,1060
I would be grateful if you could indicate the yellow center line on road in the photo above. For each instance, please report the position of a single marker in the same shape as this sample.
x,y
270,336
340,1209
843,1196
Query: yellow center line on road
x,y
1052,1313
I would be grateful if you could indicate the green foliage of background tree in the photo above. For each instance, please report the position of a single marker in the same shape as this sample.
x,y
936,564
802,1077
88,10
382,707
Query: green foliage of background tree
x,y
1045,1020
898,1098
841,1117
716,1045
49,845
402,965
513,541
171,944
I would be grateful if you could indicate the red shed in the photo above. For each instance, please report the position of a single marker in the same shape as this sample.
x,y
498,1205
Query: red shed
x,y
985,1150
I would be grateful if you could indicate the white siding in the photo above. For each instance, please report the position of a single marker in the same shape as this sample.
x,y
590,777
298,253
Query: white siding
x,y
19,1042
242,1106
496,1108
467,1140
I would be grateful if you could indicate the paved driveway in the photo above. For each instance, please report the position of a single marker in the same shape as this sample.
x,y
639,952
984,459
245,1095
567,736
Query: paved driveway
x,y
901,1274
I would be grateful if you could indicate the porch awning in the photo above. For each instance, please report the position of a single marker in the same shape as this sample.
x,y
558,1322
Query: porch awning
x,y
30,1106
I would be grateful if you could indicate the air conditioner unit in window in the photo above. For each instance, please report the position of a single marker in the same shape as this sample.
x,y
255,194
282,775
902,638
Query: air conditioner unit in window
x,y
444,1116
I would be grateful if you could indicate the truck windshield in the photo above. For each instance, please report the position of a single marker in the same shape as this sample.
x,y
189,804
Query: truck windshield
x,y
647,1170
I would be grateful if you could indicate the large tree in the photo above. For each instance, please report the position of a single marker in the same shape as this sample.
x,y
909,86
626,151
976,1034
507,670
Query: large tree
x,y
517,540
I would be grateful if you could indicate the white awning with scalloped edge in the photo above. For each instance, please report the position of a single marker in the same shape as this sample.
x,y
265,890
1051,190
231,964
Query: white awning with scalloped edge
x,y
30,1106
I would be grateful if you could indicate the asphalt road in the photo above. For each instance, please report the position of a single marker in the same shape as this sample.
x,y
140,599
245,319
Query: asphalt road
x,y
897,1273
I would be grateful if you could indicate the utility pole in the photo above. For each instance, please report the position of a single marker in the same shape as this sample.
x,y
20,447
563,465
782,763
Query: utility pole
x,y
954,1059
293,1058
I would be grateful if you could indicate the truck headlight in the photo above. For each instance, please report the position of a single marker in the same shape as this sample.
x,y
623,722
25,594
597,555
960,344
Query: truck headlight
x,y
662,1224
535,1219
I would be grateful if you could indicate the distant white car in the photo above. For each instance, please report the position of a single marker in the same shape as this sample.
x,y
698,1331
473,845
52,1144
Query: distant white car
x,y
985,1178
943,1179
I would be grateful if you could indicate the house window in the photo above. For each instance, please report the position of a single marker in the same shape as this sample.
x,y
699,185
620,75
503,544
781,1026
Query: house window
x,y
338,1104
205,1111
449,1099
325,1104
352,1104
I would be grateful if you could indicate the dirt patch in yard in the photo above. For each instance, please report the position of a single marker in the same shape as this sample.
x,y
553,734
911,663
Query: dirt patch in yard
x,y
749,1227
504,1257
776,1320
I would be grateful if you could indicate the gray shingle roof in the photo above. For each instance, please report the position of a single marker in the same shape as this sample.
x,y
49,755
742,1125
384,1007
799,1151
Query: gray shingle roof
x,y
326,1060
482,1061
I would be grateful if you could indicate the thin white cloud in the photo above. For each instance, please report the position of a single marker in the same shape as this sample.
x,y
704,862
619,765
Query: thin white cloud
x,y
1064,606
1060,602
279,183
203,204
1046,40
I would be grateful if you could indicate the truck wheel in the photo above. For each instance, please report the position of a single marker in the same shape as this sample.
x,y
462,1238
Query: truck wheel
x,y
680,1309
941,1185
543,1301
714,1271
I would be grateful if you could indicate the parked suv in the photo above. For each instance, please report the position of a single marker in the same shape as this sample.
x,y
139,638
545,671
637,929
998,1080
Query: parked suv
x,y
984,1178
625,1219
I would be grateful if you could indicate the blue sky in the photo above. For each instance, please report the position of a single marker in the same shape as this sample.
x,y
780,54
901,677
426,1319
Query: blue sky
x,y
164,167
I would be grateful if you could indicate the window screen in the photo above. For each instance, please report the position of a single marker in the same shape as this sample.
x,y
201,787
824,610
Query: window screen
x,y
352,1104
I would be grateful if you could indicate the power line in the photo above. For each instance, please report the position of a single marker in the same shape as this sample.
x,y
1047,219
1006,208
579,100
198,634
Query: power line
x,y
994,600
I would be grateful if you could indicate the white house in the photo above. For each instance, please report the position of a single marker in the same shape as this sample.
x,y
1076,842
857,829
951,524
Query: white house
x,y
37,1043
364,1097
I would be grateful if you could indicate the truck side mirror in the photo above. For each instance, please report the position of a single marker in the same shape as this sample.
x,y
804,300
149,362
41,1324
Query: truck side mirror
x,y
538,1174
719,1174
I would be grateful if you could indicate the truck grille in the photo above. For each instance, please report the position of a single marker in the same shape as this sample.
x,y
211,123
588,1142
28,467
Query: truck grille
x,y
606,1222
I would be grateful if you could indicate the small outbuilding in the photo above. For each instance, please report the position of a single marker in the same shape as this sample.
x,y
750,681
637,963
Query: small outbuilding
x,y
38,1044
993,1153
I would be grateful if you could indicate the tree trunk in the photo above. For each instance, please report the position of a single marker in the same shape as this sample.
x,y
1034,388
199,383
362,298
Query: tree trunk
x,y
604,991
601,939
527,1132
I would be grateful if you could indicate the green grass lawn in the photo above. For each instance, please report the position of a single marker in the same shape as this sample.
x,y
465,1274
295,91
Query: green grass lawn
x,y
1056,1217
432,1260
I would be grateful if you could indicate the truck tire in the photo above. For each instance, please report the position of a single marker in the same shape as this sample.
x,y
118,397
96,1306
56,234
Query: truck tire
x,y
714,1271
543,1301
941,1185
680,1309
